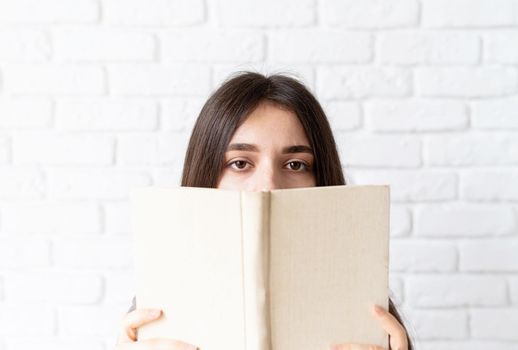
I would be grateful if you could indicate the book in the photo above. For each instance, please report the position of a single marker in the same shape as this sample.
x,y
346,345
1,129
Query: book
x,y
285,269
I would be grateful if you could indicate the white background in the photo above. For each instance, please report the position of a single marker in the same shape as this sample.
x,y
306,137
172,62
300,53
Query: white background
x,y
97,96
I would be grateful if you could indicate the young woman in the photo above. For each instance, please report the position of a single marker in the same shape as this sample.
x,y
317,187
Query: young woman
x,y
260,133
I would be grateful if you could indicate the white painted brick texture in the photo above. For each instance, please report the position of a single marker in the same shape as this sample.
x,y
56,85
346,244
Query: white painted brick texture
x,y
99,96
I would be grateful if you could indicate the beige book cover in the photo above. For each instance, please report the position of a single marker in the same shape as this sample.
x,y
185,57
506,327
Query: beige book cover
x,y
288,269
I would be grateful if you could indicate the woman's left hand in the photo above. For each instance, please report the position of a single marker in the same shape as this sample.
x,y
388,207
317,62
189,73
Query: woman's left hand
x,y
396,332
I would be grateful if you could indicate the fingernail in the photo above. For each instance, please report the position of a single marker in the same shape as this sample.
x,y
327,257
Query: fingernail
x,y
155,313
378,309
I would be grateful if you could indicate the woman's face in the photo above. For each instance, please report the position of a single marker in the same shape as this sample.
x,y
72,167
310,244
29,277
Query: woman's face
x,y
268,151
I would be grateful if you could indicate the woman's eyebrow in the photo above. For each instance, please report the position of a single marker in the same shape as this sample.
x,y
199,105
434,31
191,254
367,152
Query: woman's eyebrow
x,y
297,149
253,148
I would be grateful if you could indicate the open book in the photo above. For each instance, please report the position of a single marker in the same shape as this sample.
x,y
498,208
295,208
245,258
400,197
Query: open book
x,y
288,269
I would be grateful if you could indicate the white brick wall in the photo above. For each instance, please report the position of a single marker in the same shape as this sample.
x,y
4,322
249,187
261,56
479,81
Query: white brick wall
x,y
468,13
98,96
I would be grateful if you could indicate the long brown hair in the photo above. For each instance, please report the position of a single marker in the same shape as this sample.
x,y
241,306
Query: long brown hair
x,y
228,107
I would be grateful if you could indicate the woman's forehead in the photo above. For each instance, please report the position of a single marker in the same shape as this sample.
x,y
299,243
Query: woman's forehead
x,y
269,121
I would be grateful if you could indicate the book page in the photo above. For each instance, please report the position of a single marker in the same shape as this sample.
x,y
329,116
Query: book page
x,y
189,263
328,264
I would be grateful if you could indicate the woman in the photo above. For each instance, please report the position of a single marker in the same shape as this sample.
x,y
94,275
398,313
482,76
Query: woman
x,y
260,133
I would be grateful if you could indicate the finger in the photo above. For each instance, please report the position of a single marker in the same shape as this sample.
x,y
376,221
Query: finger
x,y
157,344
135,319
127,336
398,336
356,347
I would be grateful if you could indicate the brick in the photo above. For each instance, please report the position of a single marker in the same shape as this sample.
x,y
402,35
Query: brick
x,y
427,47
513,289
269,13
362,81
472,149
488,255
169,176
440,324
83,45
106,114
396,293
400,221
153,12
409,255
152,149
499,46
5,150
21,182
412,185
499,113
116,218
465,345
198,45
47,217
489,185
25,112
343,115
94,253
93,184
494,324
180,114
319,46
50,11
53,287
22,320
369,13
152,79
90,321
467,13
59,148
49,344
455,290
24,46
54,79
22,253
463,220
386,151
120,288
415,115
485,81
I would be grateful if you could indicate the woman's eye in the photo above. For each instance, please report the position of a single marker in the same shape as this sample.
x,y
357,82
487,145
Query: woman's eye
x,y
298,166
239,163
293,165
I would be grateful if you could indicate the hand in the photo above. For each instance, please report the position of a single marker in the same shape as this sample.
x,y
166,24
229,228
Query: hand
x,y
128,338
397,334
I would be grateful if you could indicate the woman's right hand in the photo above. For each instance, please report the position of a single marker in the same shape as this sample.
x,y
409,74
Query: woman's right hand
x,y
128,339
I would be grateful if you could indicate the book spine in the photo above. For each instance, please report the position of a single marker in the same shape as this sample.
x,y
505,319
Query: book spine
x,y
255,219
